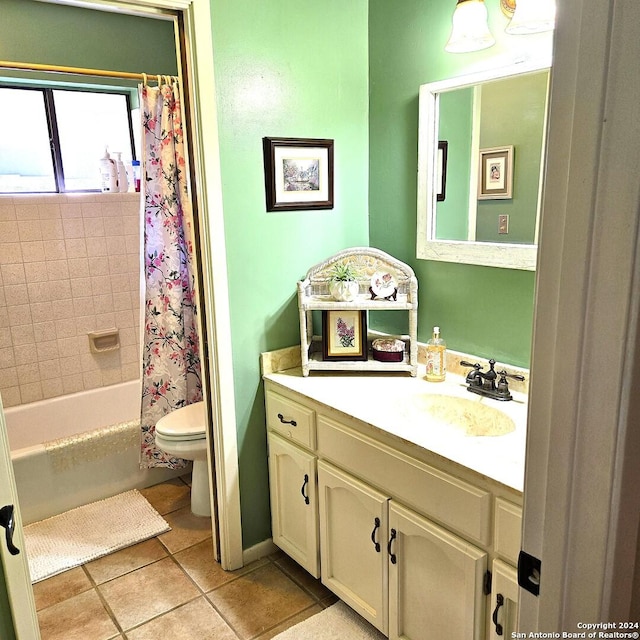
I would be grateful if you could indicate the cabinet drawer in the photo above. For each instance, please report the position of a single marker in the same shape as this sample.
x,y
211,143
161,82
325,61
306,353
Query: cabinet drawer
x,y
291,419
456,504
508,530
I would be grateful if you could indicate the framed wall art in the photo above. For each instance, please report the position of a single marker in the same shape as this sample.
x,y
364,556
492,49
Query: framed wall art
x,y
344,335
298,173
495,173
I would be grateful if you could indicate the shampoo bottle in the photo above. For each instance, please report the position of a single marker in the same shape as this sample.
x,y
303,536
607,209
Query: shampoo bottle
x,y
108,174
123,183
436,357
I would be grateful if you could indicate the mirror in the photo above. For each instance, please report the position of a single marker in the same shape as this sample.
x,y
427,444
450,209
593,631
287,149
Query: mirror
x,y
481,143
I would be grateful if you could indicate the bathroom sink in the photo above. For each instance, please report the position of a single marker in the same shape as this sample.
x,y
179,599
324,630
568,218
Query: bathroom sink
x,y
471,415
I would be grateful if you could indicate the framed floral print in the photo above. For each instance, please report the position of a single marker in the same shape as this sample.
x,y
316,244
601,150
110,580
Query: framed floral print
x,y
344,335
298,173
495,173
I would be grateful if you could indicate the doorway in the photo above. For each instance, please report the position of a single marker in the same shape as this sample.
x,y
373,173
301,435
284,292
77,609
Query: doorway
x,y
193,20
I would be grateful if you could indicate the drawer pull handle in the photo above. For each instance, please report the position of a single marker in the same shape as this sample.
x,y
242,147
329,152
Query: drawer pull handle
x,y
304,486
376,545
499,603
293,423
392,556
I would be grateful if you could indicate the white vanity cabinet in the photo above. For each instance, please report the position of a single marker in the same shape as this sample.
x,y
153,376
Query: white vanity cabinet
x,y
404,537
294,510
398,570
504,592
353,535
504,601
292,480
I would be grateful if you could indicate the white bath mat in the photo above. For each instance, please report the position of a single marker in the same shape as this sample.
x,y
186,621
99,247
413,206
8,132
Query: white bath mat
x,y
89,532
338,622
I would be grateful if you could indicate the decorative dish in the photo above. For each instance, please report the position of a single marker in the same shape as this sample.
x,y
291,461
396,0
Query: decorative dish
x,y
383,284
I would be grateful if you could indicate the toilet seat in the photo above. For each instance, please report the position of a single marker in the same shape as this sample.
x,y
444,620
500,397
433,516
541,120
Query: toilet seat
x,y
186,423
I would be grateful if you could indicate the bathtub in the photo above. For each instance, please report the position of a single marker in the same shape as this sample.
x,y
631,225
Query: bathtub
x,y
76,449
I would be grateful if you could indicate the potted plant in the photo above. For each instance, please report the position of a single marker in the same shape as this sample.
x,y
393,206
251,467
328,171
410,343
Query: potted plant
x,y
343,282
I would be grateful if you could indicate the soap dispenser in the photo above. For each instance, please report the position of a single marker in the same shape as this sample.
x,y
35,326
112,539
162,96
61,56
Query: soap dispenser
x,y
436,357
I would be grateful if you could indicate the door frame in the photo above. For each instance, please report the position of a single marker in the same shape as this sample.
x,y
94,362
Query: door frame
x,y
15,567
581,502
220,399
205,153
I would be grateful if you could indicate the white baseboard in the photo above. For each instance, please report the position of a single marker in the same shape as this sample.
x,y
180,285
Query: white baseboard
x,y
260,550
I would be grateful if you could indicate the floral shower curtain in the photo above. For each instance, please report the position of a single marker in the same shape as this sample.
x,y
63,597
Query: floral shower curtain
x,y
170,347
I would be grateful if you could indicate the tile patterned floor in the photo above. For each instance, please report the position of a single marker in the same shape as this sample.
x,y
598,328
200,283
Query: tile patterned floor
x,y
170,587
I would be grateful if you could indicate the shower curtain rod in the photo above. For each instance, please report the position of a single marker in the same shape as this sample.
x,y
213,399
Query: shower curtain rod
x,y
23,66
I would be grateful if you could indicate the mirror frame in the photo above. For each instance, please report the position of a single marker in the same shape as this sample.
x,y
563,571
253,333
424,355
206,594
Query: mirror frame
x,y
491,254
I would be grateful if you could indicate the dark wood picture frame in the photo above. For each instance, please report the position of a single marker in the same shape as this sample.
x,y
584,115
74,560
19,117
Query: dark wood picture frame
x,y
298,173
441,170
353,319
500,161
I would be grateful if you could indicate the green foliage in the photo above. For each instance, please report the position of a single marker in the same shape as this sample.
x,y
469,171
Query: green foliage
x,y
343,272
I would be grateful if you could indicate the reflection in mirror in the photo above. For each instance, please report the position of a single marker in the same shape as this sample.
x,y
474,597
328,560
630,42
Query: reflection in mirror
x,y
493,124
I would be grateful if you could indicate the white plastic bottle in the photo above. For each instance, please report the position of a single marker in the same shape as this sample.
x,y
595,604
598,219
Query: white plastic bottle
x,y
108,174
436,357
123,183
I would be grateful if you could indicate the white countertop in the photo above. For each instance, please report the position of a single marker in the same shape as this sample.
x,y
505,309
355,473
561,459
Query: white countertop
x,y
395,404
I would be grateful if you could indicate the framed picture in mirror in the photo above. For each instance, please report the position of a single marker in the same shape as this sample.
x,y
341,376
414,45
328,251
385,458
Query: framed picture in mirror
x,y
495,173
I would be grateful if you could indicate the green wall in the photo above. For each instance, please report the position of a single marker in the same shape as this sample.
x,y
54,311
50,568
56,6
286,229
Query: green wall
x,y
513,113
43,33
456,124
481,310
288,72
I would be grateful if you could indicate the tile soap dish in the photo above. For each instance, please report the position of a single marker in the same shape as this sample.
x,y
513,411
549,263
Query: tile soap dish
x,y
105,340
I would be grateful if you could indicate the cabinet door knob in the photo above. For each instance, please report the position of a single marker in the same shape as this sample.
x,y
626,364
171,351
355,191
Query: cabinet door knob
x,y
392,556
499,603
304,486
293,423
376,526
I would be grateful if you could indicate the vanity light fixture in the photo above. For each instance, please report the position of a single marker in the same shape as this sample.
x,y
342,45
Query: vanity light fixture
x,y
532,16
470,29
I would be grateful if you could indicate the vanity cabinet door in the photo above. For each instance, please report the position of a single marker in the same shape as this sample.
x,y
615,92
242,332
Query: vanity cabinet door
x,y
353,543
294,505
504,601
435,581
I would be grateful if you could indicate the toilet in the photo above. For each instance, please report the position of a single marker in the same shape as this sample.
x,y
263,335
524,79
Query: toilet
x,y
181,433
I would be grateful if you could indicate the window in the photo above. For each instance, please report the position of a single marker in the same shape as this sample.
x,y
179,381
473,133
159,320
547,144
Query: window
x,y
57,137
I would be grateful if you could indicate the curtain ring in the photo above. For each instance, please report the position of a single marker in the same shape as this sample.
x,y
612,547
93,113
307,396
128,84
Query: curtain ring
x,y
144,79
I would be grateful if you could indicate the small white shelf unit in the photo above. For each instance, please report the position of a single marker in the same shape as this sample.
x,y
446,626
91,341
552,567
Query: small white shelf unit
x,y
313,295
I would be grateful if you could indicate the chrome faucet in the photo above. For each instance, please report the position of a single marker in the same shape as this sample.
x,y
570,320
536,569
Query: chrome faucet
x,y
484,382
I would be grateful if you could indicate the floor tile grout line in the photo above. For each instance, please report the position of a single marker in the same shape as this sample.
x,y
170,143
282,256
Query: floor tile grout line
x,y
159,615
105,604
222,616
297,582
285,621
314,600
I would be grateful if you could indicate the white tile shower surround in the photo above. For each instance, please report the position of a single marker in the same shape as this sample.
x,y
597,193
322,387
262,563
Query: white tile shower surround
x,y
69,264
